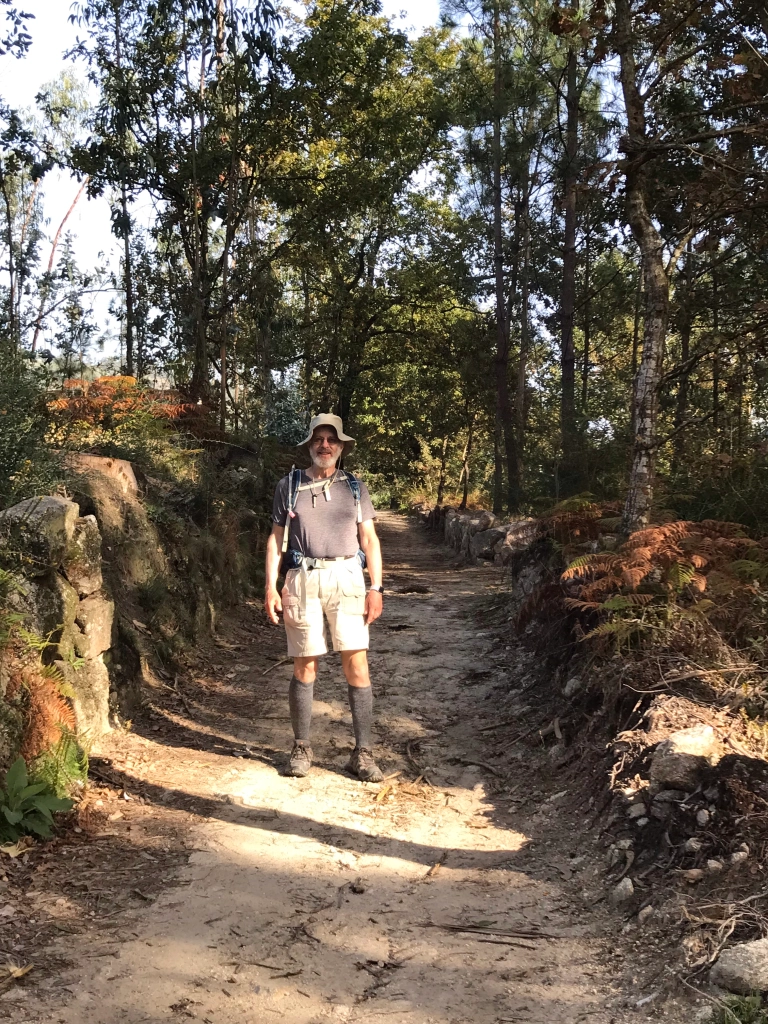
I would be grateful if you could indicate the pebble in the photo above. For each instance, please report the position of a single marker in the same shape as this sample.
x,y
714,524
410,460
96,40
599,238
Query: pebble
x,y
692,845
739,857
623,891
637,811
714,866
702,817
645,914
693,875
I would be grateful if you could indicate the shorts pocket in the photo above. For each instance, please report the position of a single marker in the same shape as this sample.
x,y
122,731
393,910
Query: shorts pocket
x,y
353,591
292,610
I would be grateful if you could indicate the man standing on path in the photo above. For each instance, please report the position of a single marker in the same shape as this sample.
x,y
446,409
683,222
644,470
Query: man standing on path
x,y
322,523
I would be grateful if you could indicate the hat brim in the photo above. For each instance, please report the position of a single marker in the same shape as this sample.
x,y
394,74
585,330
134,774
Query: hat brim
x,y
349,442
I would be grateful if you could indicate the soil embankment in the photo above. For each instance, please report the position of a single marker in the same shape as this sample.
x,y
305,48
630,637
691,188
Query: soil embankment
x,y
462,889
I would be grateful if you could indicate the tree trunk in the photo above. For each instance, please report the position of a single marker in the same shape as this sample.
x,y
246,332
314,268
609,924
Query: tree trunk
x,y
521,405
503,404
498,470
681,405
568,434
715,352
587,329
127,282
641,481
441,481
466,455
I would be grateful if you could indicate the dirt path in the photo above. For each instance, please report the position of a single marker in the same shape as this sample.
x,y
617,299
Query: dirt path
x,y
321,898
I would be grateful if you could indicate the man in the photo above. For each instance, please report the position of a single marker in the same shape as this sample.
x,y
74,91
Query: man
x,y
322,519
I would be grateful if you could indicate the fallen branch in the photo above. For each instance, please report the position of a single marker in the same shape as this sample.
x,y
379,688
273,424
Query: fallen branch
x,y
517,933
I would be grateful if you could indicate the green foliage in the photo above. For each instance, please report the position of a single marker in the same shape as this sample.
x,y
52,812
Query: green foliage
x,y
27,465
63,766
27,809
740,1010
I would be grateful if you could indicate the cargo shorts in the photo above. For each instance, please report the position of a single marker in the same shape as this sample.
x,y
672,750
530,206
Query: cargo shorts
x,y
336,590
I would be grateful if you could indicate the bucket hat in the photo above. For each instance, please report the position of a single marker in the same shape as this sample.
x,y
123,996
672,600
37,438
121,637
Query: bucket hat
x,y
327,419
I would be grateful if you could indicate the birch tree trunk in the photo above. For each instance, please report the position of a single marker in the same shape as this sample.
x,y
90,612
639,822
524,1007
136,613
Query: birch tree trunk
x,y
641,480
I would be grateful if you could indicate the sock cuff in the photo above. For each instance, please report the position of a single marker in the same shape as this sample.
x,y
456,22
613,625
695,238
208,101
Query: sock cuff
x,y
299,682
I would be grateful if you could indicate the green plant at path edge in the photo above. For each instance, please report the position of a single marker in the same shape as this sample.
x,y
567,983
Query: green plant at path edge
x,y
741,1010
25,808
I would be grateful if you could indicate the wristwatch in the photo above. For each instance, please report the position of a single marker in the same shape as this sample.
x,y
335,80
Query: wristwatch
x,y
380,589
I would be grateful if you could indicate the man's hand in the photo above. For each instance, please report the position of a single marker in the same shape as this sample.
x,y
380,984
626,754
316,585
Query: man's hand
x,y
374,605
273,604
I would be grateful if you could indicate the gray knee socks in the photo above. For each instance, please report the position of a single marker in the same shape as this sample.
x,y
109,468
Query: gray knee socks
x,y
361,703
300,697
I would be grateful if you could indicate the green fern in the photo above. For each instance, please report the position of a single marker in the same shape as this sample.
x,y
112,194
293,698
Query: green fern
x,y
679,575
63,766
620,629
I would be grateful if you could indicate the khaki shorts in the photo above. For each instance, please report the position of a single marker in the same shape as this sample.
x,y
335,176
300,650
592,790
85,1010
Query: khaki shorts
x,y
338,590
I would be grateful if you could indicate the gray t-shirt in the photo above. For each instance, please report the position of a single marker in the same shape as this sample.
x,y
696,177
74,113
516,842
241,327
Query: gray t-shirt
x,y
329,529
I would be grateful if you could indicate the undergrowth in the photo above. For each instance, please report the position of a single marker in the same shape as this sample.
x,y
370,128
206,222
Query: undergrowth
x,y
710,577
27,807
741,1010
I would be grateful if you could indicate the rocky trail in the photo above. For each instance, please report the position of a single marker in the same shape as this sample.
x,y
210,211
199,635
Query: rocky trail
x,y
204,885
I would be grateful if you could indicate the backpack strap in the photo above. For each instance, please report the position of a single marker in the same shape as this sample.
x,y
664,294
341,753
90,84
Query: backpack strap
x,y
354,486
294,482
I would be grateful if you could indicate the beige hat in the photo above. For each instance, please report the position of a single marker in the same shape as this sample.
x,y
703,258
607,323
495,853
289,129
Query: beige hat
x,y
327,419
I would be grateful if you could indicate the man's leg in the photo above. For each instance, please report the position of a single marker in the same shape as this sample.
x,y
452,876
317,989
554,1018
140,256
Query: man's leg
x,y
360,693
300,696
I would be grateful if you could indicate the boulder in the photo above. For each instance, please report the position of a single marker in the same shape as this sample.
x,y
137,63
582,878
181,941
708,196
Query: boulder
x,y
49,606
482,521
89,685
481,545
679,760
118,470
40,530
95,615
517,537
742,969
82,560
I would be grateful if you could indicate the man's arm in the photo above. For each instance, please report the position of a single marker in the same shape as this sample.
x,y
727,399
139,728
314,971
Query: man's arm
x,y
272,602
369,543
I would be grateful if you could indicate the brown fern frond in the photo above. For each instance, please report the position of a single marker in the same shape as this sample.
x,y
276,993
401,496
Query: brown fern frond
x,y
589,565
699,583
633,575
574,604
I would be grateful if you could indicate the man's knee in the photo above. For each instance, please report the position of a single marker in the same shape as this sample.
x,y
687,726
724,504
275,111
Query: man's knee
x,y
356,667
305,669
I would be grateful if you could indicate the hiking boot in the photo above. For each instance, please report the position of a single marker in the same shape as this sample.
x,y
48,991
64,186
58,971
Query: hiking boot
x,y
301,760
362,765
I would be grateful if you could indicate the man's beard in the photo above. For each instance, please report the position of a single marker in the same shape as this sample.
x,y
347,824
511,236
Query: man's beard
x,y
323,461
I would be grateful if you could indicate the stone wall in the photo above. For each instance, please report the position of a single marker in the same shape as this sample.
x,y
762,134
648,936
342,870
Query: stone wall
x,y
478,535
56,553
